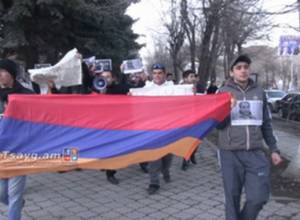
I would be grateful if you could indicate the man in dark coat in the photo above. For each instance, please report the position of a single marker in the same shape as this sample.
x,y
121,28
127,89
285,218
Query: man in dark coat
x,y
112,88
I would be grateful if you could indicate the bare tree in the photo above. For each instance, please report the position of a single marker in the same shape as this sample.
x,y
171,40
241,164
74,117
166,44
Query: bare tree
x,y
239,25
210,41
213,29
190,24
176,36
160,54
266,64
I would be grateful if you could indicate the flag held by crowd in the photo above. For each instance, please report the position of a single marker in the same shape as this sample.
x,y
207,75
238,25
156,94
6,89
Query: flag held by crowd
x,y
63,132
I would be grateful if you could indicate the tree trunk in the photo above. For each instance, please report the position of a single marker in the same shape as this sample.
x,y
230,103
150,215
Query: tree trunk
x,y
193,54
240,49
228,57
214,53
174,62
204,67
190,30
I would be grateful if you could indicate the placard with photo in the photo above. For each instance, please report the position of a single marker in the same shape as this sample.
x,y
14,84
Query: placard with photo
x,y
132,66
247,112
103,65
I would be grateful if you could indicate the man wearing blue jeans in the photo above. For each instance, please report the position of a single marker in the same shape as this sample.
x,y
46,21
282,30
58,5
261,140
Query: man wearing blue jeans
x,y
11,194
11,189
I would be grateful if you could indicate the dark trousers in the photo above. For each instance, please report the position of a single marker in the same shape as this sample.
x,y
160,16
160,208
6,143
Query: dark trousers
x,y
248,169
110,173
162,165
192,155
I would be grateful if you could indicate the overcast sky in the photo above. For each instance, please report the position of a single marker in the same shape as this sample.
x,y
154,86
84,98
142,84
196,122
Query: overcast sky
x,y
150,15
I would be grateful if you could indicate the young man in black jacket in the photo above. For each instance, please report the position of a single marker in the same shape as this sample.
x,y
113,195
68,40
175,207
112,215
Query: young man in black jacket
x,y
112,88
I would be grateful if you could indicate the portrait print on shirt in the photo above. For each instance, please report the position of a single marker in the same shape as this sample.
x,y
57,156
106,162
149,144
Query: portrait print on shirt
x,y
247,112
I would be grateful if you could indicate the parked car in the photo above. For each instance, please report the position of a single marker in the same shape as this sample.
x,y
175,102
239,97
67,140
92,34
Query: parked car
x,y
272,97
289,106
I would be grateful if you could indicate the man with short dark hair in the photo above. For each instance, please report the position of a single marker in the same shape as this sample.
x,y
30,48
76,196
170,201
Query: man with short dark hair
x,y
11,189
189,77
113,88
243,162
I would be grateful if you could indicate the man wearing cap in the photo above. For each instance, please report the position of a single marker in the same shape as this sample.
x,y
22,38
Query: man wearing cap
x,y
162,165
12,189
243,162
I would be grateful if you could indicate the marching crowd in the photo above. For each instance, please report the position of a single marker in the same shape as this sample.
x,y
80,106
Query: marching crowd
x,y
244,164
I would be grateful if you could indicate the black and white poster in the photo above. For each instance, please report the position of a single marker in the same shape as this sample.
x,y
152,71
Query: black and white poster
x,y
103,65
132,66
248,112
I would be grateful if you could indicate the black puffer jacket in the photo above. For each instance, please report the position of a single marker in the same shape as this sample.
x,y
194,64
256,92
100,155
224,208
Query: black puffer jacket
x,y
17,89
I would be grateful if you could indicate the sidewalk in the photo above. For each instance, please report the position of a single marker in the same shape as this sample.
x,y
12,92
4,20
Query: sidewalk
x,y
287,143
194,194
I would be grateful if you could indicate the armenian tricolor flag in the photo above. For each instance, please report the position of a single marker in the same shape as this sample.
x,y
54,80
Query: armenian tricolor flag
x,y
63,132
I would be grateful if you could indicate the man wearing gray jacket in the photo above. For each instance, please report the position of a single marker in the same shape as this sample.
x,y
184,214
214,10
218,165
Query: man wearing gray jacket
x,y
243,162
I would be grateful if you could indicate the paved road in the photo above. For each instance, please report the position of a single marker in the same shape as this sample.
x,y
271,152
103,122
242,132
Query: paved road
x,y
288,136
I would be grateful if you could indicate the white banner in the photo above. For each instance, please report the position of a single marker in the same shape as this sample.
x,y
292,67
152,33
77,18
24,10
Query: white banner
x,y
172,90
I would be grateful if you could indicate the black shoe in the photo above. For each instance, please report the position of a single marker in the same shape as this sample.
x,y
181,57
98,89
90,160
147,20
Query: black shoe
x,y
193,159
167,178
60,172
144,167
152,189
184,165
113,180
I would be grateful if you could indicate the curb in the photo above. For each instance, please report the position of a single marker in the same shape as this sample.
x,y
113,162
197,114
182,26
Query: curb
x,y
276,117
